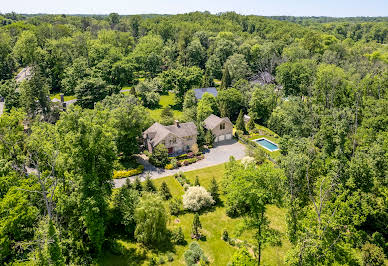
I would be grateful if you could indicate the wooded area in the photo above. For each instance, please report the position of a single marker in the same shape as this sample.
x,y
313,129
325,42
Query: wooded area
x,y
321,84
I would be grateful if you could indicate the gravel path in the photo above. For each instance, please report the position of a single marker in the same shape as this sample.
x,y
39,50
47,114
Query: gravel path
x,y
218,155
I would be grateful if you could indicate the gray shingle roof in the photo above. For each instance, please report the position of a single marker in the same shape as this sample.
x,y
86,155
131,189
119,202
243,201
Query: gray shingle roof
x,y
23,74
213,121
2,106
199,92
184,129
157,132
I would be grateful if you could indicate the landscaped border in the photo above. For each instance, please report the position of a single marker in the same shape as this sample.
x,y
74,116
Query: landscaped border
x,y
277,145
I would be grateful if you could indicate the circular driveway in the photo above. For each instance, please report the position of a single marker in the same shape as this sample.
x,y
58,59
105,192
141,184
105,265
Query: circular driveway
x,y
218,155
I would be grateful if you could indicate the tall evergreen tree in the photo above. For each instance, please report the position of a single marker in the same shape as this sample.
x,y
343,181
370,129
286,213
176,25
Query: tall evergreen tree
x,y
240,125
53,248
251,124
196,226
149,185
226,80
165,191
196,182
137,184
214,190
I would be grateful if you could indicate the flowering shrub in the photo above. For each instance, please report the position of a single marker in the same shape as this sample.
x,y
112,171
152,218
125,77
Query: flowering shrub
x,y
128,173
169,166
196,198
247,160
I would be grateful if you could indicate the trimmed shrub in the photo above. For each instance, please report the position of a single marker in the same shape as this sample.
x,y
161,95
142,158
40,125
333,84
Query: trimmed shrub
x,y
177,236
161,260
225,235
128,173
174,162
182,156
169,166
194,254
175,206
196,198
170,257
232,242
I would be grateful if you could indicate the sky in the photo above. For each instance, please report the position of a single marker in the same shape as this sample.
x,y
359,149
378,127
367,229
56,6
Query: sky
x,y
333,8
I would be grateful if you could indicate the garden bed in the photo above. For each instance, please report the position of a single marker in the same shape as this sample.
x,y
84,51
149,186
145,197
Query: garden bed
x,y
184,160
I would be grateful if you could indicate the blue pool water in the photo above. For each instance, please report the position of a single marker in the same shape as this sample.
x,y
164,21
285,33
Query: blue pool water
x,y
267,144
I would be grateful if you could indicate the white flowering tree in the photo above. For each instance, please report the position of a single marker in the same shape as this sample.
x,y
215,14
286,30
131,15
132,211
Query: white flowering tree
x,y
196,198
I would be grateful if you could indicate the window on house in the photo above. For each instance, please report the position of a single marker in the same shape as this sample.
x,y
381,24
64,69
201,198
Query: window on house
x,y
174,140
222,126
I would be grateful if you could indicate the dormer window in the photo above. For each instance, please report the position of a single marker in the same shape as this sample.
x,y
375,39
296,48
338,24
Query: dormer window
x,y
222,126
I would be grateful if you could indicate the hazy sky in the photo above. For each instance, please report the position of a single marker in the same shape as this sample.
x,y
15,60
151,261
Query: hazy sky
x,y
337,8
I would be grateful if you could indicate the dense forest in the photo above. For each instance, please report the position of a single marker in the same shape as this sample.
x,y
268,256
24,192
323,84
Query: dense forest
x,y
321,84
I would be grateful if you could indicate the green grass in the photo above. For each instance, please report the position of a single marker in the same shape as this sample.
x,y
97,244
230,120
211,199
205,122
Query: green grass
x,y
165,100
67,98
213,222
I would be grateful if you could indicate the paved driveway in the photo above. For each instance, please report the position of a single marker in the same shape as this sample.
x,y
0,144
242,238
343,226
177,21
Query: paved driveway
x,y
219,154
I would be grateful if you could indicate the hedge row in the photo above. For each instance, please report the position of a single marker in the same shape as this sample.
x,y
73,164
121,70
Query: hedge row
x,y
128,173
185,162
186,156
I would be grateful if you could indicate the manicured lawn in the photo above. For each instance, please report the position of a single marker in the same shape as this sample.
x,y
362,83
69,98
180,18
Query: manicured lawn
x,y
165,100
213,222
67,98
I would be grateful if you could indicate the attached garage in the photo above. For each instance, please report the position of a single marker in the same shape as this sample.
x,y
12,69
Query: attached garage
x,y
228,136
221,138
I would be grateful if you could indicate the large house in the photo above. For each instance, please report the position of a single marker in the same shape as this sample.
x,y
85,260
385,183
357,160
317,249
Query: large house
x,y
177,138
180,137
221,128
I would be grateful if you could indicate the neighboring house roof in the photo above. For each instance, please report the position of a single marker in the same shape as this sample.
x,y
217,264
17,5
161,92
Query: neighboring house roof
x,y
213,121
23,74
247,118
157,132
199,92
55,100
262,78
2,106
70,102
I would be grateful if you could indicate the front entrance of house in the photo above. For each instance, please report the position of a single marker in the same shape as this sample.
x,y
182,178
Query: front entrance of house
x,y
170,150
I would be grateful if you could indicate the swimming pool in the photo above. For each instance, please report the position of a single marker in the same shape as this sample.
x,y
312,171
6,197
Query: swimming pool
x,y
267,144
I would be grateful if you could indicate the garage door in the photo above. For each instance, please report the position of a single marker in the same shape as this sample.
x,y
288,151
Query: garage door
x,y
221,137
228,136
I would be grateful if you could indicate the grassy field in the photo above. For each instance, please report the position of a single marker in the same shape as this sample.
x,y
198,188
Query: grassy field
x,y
165,100
213,222
57,96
